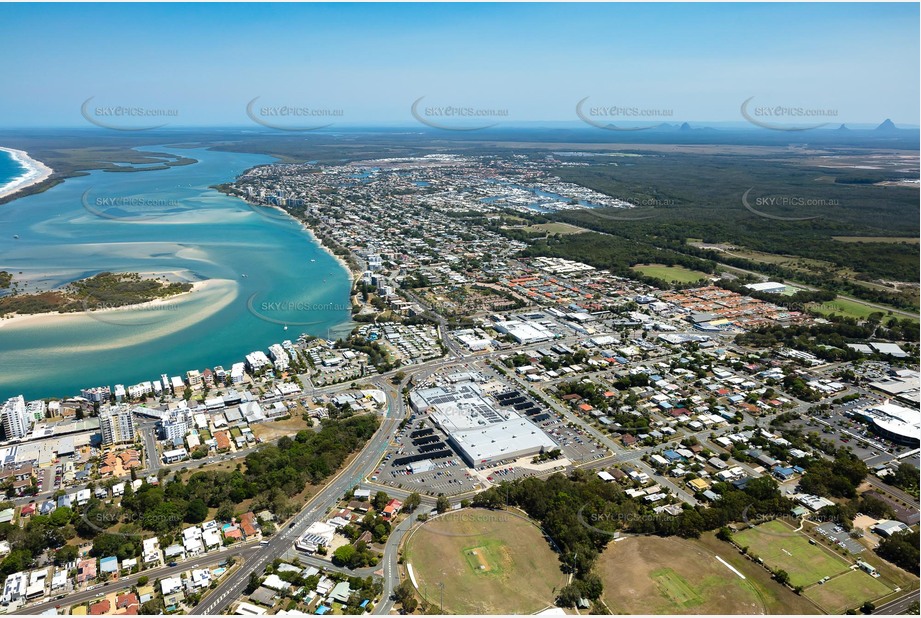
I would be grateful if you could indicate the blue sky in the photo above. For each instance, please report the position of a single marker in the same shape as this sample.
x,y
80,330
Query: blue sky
x,y
534,60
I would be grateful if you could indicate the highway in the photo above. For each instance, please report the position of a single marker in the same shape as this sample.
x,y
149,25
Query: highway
x,y
899,606
362,465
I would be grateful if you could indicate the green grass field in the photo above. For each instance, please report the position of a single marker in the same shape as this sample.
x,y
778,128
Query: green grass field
x,y
653,575
847,591
490,562
672,274
845,307
781,548
676,588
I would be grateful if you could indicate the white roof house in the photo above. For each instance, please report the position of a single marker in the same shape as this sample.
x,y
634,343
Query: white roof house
x,y
169,585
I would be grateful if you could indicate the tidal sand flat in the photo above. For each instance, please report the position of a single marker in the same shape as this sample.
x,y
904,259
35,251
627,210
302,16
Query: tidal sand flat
x,y
260,273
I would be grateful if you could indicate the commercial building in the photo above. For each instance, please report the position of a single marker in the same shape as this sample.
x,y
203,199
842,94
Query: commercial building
x,y
280,357
480,432
502,441
768,287
195,380
116,424
16,419
894,422
524,332
97,394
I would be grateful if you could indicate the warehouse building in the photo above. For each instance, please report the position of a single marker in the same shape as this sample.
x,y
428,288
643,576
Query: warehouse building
x,y
481,433
768,287
502,441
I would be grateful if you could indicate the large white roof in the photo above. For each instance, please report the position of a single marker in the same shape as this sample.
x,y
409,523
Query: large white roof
x,y
896,419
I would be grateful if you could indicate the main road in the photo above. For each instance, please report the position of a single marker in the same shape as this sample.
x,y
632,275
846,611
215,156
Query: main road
x,y
350,476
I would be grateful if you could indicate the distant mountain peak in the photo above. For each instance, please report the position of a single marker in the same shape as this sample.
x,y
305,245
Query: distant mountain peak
x,y
843,127
685,127
887,125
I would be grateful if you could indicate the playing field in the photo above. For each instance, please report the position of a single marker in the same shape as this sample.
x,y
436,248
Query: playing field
x,y
555,228
847,591
781,548
490,562
654,575
677,274
845,307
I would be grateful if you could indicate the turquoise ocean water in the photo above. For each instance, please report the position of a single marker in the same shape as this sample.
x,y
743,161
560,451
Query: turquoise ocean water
x,y
264,272
9,168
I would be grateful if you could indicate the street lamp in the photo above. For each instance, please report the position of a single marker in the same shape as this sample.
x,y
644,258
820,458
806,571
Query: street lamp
x,y
442,586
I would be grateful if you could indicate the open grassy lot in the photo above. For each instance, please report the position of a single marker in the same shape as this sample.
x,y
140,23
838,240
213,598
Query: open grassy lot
x,y
847,591
845,307
781,548
554,228
654,575
490,562
671,274
276,429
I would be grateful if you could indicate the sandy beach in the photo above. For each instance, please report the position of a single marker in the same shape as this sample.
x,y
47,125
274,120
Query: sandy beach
x,y
48,317
36,172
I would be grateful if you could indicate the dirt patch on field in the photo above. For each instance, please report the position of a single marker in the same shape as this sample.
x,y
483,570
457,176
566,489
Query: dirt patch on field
x,y
478,558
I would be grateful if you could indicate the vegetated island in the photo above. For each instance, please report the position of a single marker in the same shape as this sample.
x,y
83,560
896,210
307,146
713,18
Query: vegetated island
x,y
105,290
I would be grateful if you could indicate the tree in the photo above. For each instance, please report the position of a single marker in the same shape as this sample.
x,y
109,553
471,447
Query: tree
x,y
66,554
17,560
344,555
253,583
406,596
380,500
782,577
901,549
196,512
412,502
442,504
61,515
142,580
867,607
154,607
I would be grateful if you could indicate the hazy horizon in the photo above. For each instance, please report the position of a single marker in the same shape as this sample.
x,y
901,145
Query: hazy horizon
x,y
856,64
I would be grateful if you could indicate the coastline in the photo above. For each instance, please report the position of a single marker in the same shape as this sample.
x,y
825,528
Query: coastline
x,y
36,172
52,316
345,265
